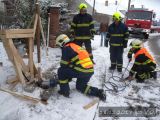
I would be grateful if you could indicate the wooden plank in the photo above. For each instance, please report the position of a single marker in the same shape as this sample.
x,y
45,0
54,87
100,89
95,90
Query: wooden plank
x,y
31,57
13,85
19,31
12,80
2,32
35,25
8,49
15,53
2,36
42,33
22,96
48,32
92,103
18,69
30,35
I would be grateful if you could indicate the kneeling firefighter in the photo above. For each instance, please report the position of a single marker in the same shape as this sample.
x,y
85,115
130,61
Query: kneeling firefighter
x,y
75,63
144,65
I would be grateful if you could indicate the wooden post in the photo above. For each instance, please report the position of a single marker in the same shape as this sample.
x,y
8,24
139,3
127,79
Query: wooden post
x,y
48,32
38,34
31,58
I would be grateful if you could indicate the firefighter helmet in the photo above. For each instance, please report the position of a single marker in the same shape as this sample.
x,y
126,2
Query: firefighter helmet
x,y
62,39
136,44
82,6
116,16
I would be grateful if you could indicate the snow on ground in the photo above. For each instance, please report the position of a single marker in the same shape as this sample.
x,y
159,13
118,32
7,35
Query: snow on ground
x,y
61,108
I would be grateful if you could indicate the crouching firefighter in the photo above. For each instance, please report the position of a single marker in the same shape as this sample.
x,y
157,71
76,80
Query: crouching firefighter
x,y
75,63
144,65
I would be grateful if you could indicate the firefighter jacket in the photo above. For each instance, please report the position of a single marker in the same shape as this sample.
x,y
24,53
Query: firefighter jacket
x,y
143,61
77,58
82,27
118,35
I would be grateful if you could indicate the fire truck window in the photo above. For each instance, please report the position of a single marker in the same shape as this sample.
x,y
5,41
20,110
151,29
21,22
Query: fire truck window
x,y
140,15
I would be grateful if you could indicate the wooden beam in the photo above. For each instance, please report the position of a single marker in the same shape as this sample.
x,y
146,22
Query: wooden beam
x,y
16,31
38,34
19,35
22,96
31,65
18,69
35,25
42,33
12,80
92,103
15,53
19,31
8,49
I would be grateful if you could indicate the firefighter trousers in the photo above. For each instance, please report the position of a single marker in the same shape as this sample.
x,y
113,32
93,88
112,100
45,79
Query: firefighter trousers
x,y
116,56
66,74
145,72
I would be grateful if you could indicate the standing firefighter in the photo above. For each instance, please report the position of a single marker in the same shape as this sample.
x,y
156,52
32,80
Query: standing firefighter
x,y
82,28
118,38
144,65
75,63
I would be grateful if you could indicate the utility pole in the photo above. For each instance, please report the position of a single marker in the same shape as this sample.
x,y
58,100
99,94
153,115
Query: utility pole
x,y
129,3
93,7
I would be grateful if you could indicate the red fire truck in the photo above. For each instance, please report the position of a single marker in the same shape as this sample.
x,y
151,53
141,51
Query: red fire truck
x,y
139,22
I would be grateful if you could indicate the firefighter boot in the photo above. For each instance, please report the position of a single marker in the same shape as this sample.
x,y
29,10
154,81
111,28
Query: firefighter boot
x,y
64,93
101,95
154,75
113,67
106,43
140,81
119,70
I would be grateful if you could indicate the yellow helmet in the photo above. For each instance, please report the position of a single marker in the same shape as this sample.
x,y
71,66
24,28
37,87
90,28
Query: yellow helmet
x,y
62,39
136,44
117,16
82,5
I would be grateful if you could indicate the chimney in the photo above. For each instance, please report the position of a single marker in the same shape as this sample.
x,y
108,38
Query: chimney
x,y
116,2
142,6
54,24
106,3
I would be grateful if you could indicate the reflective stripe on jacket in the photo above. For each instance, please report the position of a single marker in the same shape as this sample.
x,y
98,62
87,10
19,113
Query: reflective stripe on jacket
x,y
82,58
118,35
82,26
144,51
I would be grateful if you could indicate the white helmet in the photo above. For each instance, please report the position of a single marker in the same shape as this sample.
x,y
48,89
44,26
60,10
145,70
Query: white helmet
x,y
136,44
62,39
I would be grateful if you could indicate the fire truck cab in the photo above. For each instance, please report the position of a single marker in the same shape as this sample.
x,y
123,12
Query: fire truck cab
x,y
139,22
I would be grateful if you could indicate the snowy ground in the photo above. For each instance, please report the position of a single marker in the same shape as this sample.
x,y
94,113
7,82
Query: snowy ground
x,y
61,108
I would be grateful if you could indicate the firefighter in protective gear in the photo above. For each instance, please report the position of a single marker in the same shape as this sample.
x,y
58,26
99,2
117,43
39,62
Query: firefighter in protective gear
x,y
82,28
118,38
75,63
144,65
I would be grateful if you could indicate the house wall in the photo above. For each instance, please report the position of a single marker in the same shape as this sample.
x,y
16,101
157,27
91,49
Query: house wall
x,y
1,6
